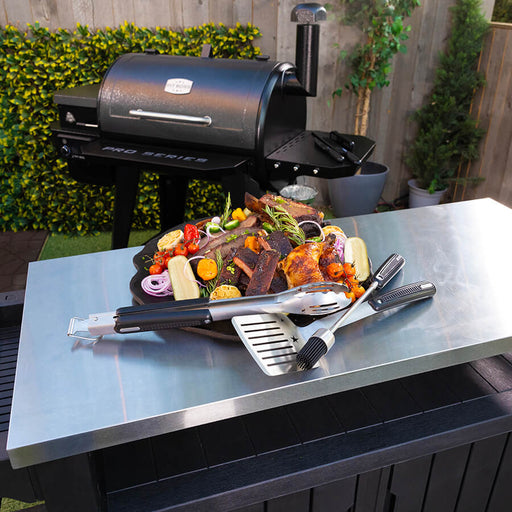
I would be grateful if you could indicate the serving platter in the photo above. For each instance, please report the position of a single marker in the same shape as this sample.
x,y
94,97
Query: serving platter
x,y
220,329
223,330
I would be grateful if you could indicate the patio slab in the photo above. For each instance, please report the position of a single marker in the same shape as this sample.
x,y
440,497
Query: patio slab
x,y
17,250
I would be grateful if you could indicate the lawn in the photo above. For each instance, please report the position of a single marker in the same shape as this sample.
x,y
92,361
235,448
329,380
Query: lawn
x,y
58,246
9,505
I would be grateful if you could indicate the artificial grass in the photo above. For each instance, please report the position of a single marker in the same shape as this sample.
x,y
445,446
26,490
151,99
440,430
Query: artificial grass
x,y
9,505
59,246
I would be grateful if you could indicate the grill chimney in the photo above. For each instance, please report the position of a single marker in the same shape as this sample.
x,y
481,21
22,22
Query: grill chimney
x,y
307,44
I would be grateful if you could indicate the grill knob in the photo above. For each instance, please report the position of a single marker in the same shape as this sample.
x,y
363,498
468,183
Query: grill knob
x,y
316,170
277,165
65,150
296,167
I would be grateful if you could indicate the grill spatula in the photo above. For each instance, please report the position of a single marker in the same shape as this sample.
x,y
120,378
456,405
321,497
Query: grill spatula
x,y
273,340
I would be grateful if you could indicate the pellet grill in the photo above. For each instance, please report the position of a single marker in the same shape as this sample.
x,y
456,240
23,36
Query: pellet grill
x,y
241,123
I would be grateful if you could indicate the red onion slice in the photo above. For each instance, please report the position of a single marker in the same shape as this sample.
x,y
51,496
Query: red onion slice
x,y
157,285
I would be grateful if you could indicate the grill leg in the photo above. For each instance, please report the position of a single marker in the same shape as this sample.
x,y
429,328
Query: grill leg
x,y
173,195
237,185
127,182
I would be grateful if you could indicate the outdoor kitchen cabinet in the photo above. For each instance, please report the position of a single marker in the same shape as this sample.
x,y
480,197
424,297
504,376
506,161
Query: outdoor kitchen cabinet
x,y
174,420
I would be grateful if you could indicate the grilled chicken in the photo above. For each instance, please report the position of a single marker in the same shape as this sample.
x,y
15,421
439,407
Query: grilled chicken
x,y
308,263
301,265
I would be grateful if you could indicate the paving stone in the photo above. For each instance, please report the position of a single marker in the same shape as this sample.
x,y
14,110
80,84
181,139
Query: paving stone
x,y
17,250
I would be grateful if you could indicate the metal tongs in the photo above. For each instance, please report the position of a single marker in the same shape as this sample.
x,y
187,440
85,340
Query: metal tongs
x,y
317,299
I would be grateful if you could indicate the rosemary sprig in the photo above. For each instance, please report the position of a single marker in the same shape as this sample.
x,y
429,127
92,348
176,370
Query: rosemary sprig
x,y
283,221
227,211
212,284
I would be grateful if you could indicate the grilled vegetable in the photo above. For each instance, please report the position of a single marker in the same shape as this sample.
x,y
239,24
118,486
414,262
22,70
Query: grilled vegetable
x,y
356,253
190,233
182,278
225,291
170,240
207,269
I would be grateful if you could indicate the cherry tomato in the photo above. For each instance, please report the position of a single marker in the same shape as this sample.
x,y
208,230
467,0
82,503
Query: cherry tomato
x,y
159,257
351,296
335,271
192,247
167,257
358,291
156,268
190,232
350,270
181,250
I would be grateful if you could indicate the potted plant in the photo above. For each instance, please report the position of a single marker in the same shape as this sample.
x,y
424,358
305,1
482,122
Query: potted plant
x,y
447,135
384,33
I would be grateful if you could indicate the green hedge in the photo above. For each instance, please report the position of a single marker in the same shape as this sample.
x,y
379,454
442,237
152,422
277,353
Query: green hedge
x,y
35,189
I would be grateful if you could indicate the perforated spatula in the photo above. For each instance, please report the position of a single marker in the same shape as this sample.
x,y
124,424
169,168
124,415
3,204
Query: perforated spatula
x,y
273,340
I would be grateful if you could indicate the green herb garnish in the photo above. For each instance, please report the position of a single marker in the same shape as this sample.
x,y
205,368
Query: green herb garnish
x,y
284,222
212,284
227,211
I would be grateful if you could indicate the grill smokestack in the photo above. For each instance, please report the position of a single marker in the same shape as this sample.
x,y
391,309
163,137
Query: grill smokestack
x,y
307,44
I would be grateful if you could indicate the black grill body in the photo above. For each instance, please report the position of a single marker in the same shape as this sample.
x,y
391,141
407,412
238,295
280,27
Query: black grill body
x,y
235,122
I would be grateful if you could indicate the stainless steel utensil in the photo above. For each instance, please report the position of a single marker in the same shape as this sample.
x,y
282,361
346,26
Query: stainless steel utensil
x,y
322,298
273,340
323,339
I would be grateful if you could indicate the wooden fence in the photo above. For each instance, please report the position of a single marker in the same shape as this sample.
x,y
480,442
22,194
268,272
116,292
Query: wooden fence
x,y
410,80
492,107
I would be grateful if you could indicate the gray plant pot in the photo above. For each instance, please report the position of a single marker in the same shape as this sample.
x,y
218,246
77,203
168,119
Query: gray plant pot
x,y
419,197
359,194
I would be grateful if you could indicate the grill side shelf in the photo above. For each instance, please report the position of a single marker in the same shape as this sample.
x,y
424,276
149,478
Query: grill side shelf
x,y
301,156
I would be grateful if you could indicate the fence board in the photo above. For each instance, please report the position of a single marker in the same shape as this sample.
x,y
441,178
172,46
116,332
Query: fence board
x,y
152,13
18,12
493,109
264,16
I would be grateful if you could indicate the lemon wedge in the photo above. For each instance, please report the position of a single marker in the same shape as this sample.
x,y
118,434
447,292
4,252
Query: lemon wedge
x,y
170,240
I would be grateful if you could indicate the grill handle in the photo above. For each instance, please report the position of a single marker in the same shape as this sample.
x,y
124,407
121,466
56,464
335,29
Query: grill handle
x,y
179,118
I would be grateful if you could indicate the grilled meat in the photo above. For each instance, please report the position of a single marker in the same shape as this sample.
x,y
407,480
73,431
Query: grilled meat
x,y
279,241
246,260
301,265
308,263
294,208
263,274
236,238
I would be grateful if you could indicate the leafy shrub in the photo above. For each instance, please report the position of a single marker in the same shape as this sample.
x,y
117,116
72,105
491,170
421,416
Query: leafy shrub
x,y
36,191
447,134
502,11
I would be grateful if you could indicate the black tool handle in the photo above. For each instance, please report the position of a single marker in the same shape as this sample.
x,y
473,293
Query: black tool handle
x,y
160,318
168,305
388,270
329,151
341,139
402,295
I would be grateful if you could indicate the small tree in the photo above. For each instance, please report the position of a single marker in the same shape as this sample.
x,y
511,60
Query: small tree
x,y
447,135
382,22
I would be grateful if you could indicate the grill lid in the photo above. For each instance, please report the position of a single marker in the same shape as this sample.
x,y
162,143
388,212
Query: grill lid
x,y
224,103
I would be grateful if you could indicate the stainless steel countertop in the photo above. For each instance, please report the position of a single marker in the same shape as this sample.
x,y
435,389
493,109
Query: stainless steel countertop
x,y
129,387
